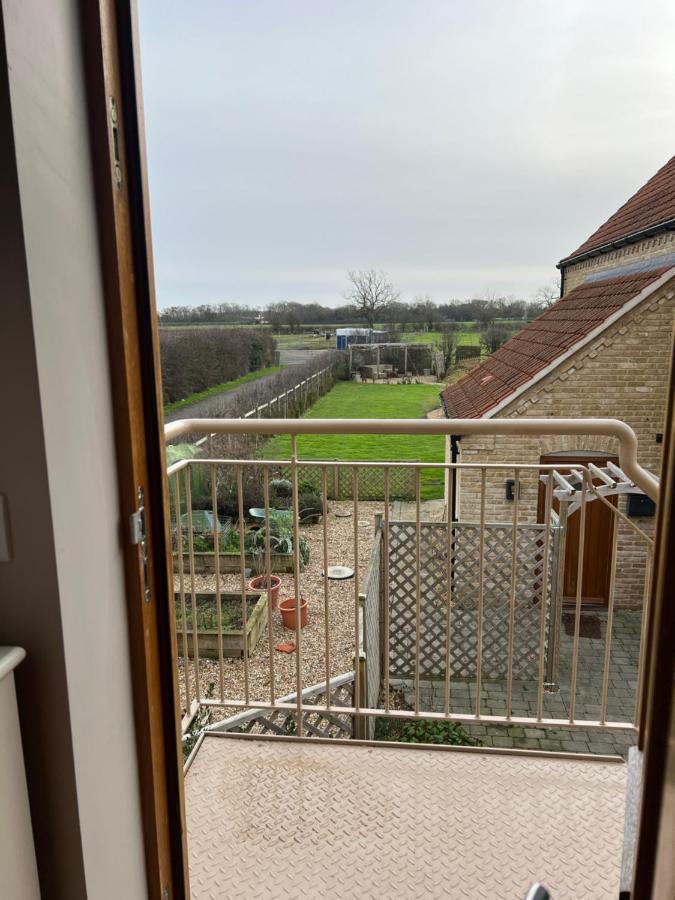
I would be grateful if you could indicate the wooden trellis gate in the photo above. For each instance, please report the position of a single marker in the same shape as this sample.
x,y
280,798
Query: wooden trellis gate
x,y
500,582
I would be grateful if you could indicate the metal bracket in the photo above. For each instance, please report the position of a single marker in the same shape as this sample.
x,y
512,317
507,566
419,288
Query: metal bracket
x,y
117,165
138,537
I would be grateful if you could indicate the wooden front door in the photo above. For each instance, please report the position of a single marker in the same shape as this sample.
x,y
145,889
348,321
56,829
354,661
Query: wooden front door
x,y
598,539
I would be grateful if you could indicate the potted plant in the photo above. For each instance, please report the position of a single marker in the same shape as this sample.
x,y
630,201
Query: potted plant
x,y
280,537
288,609
266,582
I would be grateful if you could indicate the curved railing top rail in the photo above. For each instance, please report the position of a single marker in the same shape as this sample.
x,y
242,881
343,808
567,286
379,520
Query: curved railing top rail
x,y
612,428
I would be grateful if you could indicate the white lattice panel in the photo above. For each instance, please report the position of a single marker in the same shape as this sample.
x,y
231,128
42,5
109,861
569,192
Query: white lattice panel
x,y
465,588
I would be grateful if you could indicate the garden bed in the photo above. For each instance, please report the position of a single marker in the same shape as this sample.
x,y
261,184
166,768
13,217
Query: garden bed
x,y
205,563
231,619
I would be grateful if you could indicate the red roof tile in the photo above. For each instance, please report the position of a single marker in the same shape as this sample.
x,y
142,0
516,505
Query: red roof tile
x,y
541,342
652,205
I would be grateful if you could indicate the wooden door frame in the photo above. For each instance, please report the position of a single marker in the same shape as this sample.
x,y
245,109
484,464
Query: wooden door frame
x,y
110,42
109,33
570,458
654,859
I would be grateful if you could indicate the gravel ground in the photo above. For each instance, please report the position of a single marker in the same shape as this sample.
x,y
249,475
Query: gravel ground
x,y
341,618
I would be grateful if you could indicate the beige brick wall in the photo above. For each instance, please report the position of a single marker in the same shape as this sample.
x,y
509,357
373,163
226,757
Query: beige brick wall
x,y
646,249
621,374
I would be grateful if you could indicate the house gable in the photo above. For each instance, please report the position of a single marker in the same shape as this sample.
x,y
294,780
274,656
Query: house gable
x,y
548,342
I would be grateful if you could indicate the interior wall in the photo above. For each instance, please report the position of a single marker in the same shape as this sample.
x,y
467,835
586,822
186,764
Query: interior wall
x,y
63,594
29,600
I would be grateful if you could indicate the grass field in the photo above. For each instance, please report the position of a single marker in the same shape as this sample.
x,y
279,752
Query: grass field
x,y
352,400
220,388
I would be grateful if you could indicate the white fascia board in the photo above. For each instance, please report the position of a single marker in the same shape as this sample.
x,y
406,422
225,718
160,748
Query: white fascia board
x,y
589,338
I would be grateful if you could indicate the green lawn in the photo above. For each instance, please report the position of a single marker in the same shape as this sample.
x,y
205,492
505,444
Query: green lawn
x,y
352,400
221,388
468,337
420,337
465,336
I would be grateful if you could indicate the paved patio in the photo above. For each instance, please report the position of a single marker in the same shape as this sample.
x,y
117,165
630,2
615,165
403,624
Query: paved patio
x,y
623,674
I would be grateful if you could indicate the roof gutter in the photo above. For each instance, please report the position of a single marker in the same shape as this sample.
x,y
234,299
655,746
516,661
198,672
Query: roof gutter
x,y
633,238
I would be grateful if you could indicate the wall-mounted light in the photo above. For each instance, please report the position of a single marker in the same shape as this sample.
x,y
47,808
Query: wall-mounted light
x,y
510,487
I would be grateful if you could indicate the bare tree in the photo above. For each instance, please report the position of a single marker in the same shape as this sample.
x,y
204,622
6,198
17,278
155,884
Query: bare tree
x,y
370,292
449,332
485,311
495,335
547,294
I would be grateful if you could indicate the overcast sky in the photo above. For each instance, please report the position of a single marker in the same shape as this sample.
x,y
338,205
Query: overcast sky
x,y
462,147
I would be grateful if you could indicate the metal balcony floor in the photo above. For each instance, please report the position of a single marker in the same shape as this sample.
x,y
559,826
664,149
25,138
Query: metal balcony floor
x,y
283,818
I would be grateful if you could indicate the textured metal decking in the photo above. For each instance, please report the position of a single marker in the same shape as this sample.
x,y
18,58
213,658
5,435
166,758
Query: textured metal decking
x,y
307,819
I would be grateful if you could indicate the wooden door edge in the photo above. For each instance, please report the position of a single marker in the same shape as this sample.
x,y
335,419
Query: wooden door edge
x,y
111,71
658,691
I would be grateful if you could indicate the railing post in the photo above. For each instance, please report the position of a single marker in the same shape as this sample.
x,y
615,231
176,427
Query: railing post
x,y
553,667
360,728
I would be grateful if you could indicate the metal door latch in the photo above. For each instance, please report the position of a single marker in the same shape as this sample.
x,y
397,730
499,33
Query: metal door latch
x,y
138,537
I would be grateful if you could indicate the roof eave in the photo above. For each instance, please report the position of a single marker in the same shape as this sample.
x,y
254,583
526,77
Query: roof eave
x,y
632,238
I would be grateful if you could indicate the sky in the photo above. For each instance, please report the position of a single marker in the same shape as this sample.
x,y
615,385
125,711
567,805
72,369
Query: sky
x,y
463,148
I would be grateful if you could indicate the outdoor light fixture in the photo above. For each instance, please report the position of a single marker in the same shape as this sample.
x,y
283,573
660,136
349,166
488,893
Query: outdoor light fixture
x,y
510,485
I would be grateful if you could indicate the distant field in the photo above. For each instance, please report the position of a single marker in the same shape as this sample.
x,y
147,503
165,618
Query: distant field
x,y
303,342
312,342
221,388
469,337
351,400
469,334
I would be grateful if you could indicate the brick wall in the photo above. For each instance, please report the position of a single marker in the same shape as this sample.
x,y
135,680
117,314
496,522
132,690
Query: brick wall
x,y
622,374
650,248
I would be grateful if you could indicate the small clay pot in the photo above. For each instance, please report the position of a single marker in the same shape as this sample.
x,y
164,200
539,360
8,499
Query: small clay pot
x,y
287,608
259,585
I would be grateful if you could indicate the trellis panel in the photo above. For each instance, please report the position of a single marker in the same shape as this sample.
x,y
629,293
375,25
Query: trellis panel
x,y
465,591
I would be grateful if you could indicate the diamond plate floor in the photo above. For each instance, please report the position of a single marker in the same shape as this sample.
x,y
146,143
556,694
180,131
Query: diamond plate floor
x,y
289,819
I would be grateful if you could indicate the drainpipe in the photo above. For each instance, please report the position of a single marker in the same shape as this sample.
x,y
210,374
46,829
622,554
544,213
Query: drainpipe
x,y
454,456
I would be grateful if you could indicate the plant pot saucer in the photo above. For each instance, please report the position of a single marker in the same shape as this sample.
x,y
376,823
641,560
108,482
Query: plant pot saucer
x,y
343,513
339,573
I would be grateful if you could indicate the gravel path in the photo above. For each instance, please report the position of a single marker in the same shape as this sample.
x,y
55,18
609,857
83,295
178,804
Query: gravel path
x,y
341,617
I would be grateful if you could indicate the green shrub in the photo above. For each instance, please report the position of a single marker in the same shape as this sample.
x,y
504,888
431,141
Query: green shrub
x,y
310,507
437,731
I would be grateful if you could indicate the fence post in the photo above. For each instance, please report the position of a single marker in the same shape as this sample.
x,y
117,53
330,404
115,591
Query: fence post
x,y
336,482
360,726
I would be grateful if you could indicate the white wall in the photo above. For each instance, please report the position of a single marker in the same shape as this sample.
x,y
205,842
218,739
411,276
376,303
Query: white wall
x,y
59,224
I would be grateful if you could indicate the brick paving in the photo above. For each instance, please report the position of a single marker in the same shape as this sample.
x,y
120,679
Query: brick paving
x,y
621,697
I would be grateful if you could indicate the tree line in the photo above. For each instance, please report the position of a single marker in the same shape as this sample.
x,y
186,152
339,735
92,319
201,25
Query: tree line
x,y
421,313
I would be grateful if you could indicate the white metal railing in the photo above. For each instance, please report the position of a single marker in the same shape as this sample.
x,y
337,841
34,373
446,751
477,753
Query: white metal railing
x,y
483,609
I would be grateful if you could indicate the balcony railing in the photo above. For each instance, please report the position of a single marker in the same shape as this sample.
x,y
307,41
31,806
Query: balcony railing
x,y
464,621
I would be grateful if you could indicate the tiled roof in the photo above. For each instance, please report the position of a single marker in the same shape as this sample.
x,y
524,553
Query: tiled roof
x,y
539,344
652,205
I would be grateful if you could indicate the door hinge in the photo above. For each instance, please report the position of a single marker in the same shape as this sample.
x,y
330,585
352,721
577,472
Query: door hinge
x,y
117,165
138,537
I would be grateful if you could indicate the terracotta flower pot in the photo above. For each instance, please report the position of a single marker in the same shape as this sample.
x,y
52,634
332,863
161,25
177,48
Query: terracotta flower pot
x,y
260,582
287,608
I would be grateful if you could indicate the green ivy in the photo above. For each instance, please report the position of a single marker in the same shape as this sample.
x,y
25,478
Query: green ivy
x,y
437,731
